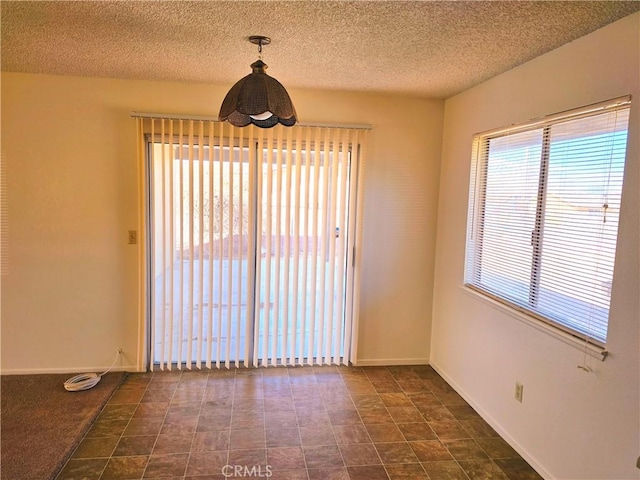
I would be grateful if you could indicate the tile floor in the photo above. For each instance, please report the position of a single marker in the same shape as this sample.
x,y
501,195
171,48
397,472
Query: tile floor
x,y
311,423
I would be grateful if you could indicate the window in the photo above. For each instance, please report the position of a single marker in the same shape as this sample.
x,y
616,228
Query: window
x,y
543,216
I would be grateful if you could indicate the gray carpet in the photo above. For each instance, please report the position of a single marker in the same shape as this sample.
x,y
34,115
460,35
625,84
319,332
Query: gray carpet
x,y
42,423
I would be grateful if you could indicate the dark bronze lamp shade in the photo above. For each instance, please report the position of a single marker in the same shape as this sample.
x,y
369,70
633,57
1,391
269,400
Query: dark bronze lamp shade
x,y
258,99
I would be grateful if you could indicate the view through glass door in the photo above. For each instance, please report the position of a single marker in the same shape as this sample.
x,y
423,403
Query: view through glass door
x,y
251,247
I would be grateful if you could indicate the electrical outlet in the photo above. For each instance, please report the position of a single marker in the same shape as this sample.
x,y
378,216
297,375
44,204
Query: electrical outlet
x,y
518,392
133,237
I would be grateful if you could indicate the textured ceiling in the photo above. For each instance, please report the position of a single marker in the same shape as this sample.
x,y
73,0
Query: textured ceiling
x,y
426,48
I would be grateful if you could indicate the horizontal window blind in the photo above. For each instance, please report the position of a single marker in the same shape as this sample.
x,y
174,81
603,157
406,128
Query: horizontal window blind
x,y
543,216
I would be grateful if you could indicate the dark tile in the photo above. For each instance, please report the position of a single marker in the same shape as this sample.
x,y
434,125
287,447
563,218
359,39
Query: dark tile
x,y
152,409
360,387
173,444
405,414
379,373
367,401
311,436
246,419
449,430
95,447
464,412
345,417
210,423
252,405
451,398
417,431
247,439
437,413
444,471
399,452
181,396
412,471
278,404
482,470
252,457
333,389
517,469
312,419
497,448
324,456
478,428
385,386
424,399
375,415
396,399
157,395
206,463
179,424
124,468
338,402
306,392
135,381
280,420
132,446
143,426
412,385
117,412
178,411
219,476
107,428
465,449
125,396
336,473
346,434
372,472
85,469
288,458
384,432
173,465
359,454
297,474
430,450
219,406
208,441
283,437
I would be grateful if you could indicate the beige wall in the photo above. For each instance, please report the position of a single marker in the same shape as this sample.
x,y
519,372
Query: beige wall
x,y
571,424
69,146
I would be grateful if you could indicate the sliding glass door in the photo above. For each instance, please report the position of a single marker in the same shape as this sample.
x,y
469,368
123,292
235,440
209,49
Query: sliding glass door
x,y
251,244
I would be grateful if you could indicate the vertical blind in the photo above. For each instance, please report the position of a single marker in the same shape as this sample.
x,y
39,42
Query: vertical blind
x,y
543,216
252,236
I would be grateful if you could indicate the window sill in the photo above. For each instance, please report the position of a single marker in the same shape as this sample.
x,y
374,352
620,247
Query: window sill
x,y
592,350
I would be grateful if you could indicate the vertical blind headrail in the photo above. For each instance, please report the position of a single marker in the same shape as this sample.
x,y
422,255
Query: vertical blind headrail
x,y
205,118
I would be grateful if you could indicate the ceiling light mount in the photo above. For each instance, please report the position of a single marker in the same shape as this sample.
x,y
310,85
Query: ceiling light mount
x,y
260,41
258,99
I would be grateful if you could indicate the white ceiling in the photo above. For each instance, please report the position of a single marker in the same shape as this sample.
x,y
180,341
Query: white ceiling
x,y
426,48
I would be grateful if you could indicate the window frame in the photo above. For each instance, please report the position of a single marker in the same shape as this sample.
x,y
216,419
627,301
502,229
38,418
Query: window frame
x,y
478,204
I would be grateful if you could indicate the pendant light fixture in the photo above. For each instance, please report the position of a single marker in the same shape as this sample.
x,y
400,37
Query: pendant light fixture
x,y
258,99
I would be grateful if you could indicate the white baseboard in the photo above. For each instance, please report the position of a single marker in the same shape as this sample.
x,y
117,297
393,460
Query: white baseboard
x,y
70,370
382,362
495,425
